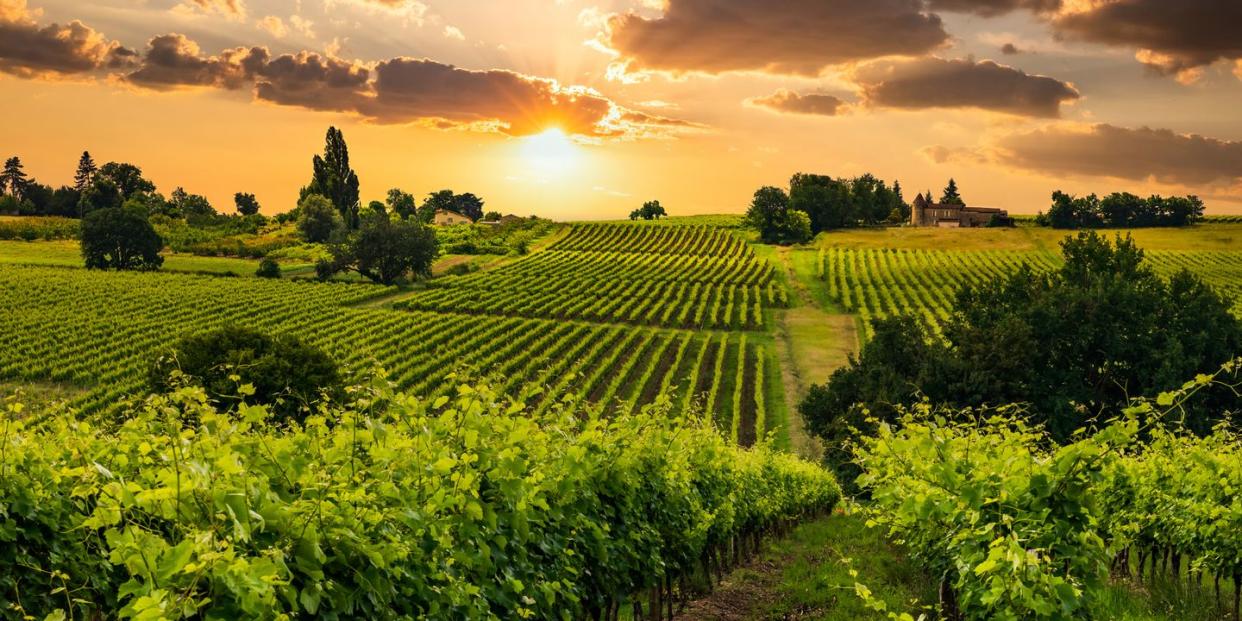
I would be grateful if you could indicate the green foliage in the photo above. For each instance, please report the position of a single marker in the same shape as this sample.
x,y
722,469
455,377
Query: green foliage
x,y
120,238
280,371
32,228
651,210
401,203
1120,209
950,195
511,237
268,268
1073,342
247,204
386,251
334,180
466,204
838,203
318,220
771,215
465,507
127,179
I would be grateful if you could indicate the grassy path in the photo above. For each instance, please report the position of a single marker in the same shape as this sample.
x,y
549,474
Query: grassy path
x,y
806,576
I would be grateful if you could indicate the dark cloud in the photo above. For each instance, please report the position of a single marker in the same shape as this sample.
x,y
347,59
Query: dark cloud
x,y
1010,49
1110,151
173,60
1173,36
28,50
788,101
777,36
963,83
992,8
313,81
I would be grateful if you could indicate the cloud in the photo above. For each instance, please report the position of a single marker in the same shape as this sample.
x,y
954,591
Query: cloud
x,y
274,26
1173,37
453,32
963,83
235,8
173,61
313,81
788,101
1104,150
993,8
1010,49
28,50
777,36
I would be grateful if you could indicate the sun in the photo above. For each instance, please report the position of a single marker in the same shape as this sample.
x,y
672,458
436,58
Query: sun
x,y
550,152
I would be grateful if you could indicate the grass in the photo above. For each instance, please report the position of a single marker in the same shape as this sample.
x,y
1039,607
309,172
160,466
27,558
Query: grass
x,y
805,576
65,253
1209,236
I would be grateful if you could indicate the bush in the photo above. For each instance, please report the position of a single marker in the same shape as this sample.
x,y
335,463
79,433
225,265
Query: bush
x,y
268,268
283,373
43,227
120,238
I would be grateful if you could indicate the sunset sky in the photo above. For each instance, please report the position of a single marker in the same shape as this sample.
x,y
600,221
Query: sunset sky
x,y
582,109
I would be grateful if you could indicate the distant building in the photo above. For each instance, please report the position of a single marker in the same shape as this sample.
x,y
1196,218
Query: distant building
x,y
444,217
503,220
923,212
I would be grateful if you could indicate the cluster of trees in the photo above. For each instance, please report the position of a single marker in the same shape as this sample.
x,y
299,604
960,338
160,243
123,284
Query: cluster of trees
x,y
1067,345
387,242
651,210
828,203
1120,209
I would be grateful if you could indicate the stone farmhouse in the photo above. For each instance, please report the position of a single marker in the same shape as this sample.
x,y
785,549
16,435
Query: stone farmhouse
x,y
445,217
923,212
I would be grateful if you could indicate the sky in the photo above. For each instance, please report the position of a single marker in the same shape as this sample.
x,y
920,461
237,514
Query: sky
x,y
584,109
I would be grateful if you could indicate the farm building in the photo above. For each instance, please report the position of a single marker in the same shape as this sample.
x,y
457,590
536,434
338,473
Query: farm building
x,y
445,217
923,212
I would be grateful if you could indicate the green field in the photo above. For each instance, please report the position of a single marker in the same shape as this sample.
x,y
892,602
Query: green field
x,y
621,357
65,253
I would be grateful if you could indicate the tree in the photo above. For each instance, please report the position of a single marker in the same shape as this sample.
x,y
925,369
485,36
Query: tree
x,y
824,199
121,239
247,204
193,207
13,178
777,223
950,195
102,193
401,203
493,216
64,202
468,205
268,268
385,251
1070,345
333,179
443,199
127,178
651,210
377,208
85,172
286,374
318,218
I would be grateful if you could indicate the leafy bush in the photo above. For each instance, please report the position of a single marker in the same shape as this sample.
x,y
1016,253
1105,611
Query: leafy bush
x,y
120,238
281,371
464,508
268,268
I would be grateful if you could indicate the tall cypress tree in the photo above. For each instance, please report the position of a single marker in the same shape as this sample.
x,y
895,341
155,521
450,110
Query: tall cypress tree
x,y
13,179
86,171
334,179
950,196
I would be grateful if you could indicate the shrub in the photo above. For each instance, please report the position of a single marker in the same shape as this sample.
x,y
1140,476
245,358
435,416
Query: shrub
x,y
120,238
282,372
268,268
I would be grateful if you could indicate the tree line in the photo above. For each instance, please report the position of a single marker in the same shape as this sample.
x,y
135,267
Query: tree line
x,y
816,203
1120,210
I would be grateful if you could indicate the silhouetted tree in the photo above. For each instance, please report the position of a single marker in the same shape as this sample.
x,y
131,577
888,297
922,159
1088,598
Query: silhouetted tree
x,y
85,172
468,205
121,239
401,203
13,178
651,210
247,204
377,208
442,199
775,220
127,178
333,179
950,195
101,193
193,207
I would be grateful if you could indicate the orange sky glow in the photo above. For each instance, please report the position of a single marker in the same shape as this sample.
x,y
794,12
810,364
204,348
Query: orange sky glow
x,y
583,109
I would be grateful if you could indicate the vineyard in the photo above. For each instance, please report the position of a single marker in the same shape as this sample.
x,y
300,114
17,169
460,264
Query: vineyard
x,y
681,277
880,283
120,322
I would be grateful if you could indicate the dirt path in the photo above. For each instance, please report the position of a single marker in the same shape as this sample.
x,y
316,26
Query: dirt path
x,y
810,343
